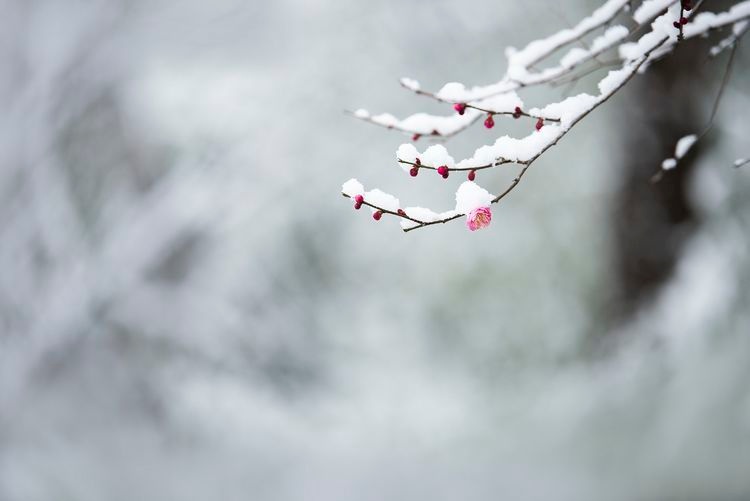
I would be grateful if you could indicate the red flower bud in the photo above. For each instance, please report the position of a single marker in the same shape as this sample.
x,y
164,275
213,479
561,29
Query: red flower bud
x,y
460,108
489,122
517,112
401,212
414,171
443,171
377,215
358,200
472,175
539,124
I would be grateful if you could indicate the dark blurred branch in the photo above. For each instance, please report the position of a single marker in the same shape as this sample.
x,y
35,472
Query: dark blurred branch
x,y
717,101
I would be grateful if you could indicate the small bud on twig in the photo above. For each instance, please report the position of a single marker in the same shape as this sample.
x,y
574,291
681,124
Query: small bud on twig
x,y
358,200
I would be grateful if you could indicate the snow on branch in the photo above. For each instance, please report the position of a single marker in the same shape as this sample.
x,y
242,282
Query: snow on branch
x,y
680,150
421,124
649,9
738,30
671,22
519,73
537,50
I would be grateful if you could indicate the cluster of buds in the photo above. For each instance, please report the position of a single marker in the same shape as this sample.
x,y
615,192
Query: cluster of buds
x,y
489,122
443,171
685,6
358,201
415,169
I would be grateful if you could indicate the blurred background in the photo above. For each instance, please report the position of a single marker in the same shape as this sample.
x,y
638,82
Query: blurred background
x,y
189,309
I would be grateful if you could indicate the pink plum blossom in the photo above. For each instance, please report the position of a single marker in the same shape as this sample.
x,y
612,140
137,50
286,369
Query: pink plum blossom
x,y
479,218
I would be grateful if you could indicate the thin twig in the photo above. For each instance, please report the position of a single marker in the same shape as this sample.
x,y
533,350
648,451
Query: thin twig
x,y
499,161
512,113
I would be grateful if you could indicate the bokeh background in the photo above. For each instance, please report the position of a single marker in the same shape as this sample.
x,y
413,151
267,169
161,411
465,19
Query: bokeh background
x,y
189,309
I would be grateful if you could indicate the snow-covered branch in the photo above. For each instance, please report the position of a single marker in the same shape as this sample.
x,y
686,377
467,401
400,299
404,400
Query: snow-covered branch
x,y
671,22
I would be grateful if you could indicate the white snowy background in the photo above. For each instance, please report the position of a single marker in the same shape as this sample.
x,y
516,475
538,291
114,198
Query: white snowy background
x,y
189,310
